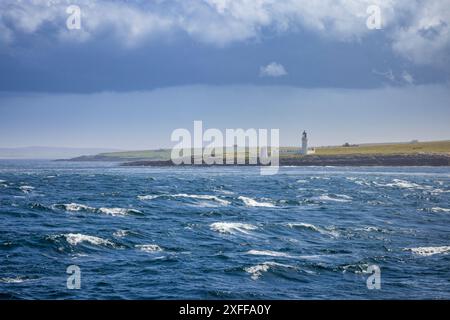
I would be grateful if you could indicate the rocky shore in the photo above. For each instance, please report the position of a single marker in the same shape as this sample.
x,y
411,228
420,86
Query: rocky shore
x,y
337,160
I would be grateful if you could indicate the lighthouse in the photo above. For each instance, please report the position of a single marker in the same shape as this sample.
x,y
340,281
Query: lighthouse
x,y
304,149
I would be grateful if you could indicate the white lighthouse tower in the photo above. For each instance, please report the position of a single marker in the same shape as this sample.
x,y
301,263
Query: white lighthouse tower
x,y
304,149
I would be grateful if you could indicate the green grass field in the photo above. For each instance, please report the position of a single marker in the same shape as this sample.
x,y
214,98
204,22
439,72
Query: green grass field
x,y
365,149
161,154
389,148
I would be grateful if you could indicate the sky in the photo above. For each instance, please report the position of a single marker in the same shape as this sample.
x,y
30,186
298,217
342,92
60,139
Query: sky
x,y
136,70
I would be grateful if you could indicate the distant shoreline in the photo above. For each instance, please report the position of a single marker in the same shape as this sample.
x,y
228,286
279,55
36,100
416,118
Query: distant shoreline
x,y
435,160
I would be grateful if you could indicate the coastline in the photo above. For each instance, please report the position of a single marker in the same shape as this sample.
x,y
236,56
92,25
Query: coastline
x,y
407,160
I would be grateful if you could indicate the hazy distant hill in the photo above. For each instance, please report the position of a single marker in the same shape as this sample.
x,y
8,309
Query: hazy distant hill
x,y
49,152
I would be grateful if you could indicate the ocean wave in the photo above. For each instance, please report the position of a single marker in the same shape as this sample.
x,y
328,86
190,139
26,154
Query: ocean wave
x,y
326,231
357,268
398,183
232,227
227,192
26,189
439,209
148,197
184,195
439,190
13,280
203,197
118,211
257,270
121,233
77,238
429,251
336,198
149,247
268,253
249,202
370,229
75,207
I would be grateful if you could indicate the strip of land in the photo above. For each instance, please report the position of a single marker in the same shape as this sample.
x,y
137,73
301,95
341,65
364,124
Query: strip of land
x,y
435,153
339,160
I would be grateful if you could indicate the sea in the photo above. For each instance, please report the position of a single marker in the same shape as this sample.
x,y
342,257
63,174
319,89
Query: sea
x,y
96,230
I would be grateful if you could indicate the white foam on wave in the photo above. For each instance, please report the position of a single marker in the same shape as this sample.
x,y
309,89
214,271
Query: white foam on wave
x,y
232,227
337,198
12,280
75,207
203,197
257,271
398,183
192,196
312,227
429,251
118,211
26,189
439,209
77,238
148,197
268,253
438,191
249,202
149,248
227,192
121,233
370,229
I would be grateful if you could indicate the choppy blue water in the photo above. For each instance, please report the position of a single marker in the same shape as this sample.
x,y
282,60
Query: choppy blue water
x,y
210,233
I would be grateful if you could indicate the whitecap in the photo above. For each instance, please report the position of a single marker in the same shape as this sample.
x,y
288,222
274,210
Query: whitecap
x,y
232,227
149,247
268,253
370,229
192,196
118,211
439,209
429,251
338,198
26,189
77,238
74,207
249,202
434,191
203,197
121,233
326,231
12,280
398,183
147,197
257,271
